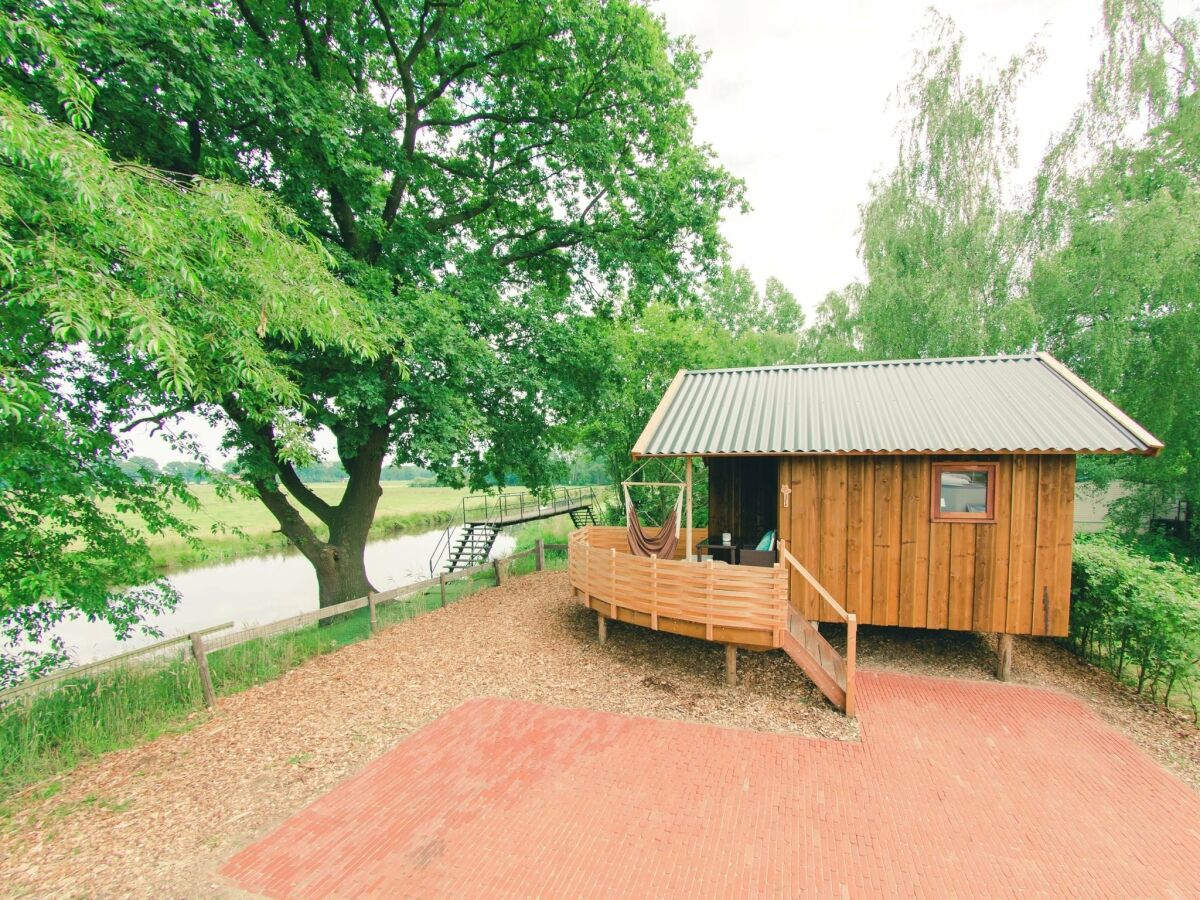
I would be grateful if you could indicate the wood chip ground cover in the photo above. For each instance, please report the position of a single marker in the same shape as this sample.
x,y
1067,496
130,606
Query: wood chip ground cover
x,y
157,819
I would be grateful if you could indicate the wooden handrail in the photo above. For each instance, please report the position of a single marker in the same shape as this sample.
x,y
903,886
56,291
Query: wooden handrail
x,y
816,585
849,618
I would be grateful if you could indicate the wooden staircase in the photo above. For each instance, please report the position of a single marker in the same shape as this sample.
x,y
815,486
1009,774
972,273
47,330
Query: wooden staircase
x,y
828,670
472,547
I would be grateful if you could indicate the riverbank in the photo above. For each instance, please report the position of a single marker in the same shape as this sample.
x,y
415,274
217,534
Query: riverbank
x,y
242,527
116,708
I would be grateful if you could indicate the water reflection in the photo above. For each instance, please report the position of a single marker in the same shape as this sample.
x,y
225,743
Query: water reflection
x,y
260,589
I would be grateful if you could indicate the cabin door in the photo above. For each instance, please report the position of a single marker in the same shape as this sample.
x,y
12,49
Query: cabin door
x,y
741,498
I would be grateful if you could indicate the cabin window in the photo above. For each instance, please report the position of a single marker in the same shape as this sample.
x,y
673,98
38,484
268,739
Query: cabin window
x,y
964,492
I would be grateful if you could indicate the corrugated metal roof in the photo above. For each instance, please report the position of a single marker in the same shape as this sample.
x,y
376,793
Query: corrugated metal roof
x,y
993,404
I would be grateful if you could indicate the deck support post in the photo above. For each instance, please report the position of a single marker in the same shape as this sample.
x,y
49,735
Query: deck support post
x,y
1004,649
730,665
687,478
602,625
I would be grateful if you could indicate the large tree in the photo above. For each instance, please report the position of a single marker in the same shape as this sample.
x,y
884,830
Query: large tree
x,y
123,290
484,170
1117,275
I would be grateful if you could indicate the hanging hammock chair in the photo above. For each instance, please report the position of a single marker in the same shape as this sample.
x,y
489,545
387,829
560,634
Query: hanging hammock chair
x,y
641,543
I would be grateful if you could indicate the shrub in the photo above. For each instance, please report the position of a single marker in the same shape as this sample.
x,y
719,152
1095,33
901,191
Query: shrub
x,y
1137,617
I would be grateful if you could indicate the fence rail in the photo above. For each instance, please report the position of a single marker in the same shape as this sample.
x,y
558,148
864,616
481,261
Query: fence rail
x,y
200,648
742,605
29,688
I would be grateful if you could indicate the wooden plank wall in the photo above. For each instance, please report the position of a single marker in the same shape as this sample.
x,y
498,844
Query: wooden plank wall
x,y
862,525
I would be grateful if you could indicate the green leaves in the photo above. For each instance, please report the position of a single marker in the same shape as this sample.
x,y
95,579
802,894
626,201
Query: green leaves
x,y
1095,262
1138,618
125,292
938,240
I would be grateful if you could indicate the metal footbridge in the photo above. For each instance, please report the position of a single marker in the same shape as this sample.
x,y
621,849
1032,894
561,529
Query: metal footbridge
x,y
470,537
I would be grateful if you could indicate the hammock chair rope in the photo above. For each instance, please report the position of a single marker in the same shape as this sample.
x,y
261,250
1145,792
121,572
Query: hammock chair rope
x,y
641,543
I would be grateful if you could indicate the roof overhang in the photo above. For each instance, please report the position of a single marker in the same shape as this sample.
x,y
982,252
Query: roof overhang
x,y
1029,404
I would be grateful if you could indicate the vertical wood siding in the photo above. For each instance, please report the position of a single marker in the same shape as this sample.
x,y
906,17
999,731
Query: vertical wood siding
x,y
862,525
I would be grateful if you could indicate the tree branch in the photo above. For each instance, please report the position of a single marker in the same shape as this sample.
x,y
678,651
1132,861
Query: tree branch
x,y
304,494
262,437
290,521
440,88
158,418
572,238
343,215
540,250
433,226
252,21
310,47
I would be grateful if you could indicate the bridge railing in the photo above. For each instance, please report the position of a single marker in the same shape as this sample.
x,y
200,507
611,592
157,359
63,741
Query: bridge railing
x,y
521,505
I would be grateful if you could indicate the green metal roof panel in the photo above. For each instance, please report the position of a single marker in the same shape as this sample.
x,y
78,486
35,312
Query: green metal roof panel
x,y
978,405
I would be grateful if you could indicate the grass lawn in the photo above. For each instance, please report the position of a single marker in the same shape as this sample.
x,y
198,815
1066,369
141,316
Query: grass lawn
x,y
228,529
252,517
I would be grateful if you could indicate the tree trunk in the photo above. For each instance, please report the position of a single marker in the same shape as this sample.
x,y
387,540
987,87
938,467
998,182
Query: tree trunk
x,y
339,561
342,568
342,573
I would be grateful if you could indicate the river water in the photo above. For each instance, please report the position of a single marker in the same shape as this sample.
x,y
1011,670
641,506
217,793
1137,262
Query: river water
x,y
258,590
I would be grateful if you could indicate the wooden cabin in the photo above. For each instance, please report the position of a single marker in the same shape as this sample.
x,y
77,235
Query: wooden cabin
x,y
925,494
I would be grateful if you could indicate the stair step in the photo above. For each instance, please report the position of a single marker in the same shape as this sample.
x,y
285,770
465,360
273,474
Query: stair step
x,y
816,657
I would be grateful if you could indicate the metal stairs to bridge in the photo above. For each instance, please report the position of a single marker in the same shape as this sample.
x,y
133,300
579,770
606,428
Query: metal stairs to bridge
x,y
472,547
469,539
582,517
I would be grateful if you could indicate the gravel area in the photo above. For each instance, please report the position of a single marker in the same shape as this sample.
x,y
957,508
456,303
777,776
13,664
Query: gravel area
x,y
157,819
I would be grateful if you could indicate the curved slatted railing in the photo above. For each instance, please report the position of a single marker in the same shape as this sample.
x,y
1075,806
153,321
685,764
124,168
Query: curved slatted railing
x,y
744,606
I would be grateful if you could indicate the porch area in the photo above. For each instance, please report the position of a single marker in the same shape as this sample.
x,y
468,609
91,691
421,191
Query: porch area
x,y
747,607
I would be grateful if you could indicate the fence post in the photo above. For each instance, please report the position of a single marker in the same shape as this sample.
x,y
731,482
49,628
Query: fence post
x,y
202,666
499,572
374,621
442,586
541,554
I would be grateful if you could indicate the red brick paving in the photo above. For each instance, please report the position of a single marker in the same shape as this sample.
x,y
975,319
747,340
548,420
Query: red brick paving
x,y
957,788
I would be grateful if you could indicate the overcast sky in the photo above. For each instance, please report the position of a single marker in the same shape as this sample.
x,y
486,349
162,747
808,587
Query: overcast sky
x,y
796,101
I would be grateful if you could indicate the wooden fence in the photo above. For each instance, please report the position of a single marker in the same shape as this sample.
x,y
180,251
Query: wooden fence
x,y
744,605
199,644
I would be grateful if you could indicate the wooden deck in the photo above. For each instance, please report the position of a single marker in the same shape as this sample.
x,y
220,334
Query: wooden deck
x,y
740,606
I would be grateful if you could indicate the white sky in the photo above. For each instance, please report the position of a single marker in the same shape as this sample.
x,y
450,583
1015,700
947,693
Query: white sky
x,y
795,100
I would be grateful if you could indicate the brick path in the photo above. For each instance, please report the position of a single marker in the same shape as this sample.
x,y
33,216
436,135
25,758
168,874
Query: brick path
x,y
958,788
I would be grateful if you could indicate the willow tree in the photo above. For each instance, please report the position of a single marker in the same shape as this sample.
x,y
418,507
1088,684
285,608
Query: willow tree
x,y
939,236
124,290
485,171
1115,280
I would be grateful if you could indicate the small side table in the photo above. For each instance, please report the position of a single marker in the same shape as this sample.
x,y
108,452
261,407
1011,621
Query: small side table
x,y
719,551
